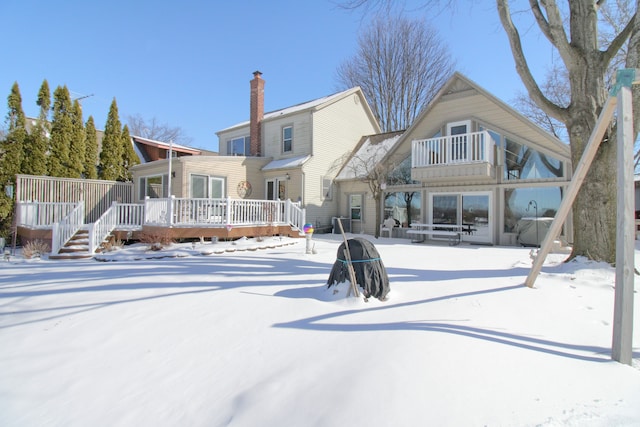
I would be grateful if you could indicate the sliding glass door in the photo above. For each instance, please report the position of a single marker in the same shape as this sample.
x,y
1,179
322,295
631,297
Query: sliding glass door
x,y
472,210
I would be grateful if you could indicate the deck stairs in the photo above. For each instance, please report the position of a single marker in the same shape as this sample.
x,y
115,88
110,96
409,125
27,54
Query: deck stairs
x,y
76,248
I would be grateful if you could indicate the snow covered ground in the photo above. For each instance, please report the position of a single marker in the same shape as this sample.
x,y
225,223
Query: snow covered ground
x,y
249,335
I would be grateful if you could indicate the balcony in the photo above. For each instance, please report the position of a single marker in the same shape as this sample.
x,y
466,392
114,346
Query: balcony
x,y
454,158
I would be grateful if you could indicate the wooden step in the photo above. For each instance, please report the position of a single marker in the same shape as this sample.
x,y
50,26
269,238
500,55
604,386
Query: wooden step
x,y
76,248
71,256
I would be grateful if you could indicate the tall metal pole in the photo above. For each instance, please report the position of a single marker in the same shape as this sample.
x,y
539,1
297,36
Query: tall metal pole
x,y
169,177
622,346
169,199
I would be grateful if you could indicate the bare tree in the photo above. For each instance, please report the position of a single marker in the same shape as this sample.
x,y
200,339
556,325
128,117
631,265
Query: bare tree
x,y
153,129
586,62
400,64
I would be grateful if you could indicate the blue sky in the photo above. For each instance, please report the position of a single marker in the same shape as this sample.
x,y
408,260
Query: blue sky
x,y
189,63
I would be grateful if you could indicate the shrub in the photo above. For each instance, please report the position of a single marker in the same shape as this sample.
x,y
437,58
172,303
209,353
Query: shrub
x,y
156,240
35,249
112,245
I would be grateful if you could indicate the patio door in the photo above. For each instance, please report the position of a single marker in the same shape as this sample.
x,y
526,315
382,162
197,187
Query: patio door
x,y
276,189
473,210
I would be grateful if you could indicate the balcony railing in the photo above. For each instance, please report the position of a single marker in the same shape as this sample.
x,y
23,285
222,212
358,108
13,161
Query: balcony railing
x,y
453,149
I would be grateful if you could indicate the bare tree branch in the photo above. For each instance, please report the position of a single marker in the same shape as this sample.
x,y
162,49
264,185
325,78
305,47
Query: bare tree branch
x,y
152,129
400,64
522,67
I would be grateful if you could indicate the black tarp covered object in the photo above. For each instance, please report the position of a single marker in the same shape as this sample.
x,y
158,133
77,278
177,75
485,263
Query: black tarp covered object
x,y
371,275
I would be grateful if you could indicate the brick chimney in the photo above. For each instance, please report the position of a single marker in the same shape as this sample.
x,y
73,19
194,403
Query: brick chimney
x,y
256,114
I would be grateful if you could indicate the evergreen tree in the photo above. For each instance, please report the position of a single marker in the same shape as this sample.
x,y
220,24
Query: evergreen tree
x,y
61,134
11,156
77,146
91,150
129,156
110,167
11,147
34,159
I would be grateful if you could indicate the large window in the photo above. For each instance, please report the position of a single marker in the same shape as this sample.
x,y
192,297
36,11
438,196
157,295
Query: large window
x,y
522,162
401,174
154,187
403,206
536,202
207,187
287,139
239,146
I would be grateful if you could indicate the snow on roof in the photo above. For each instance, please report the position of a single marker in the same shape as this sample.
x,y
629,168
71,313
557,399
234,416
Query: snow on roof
x,y
163,144
296,108
291,162
371,151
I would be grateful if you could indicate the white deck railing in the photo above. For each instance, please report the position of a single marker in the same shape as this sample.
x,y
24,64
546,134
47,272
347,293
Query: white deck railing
x,y
119,215
98,195
183,212
42,214
65,219
453,149
64,229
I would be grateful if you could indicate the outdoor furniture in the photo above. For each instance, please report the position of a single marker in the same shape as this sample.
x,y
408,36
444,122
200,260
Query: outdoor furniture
x,y
387,226
452,231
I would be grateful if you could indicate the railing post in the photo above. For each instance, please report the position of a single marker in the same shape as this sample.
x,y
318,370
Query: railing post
x,y
92,238
170,210
145,219
228,211
287,211
55,233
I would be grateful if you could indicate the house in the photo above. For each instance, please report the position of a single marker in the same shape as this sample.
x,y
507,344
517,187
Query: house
x,y
293,153
470,160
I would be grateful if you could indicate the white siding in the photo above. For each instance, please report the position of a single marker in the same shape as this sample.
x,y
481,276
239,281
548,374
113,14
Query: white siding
x,y
337,128
233,169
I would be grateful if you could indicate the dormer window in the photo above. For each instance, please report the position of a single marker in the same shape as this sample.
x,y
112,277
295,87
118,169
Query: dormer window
x,y
287,139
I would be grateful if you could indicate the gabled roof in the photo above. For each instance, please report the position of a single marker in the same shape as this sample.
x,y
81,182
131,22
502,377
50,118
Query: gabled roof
x,y
370,150
313,105
458,85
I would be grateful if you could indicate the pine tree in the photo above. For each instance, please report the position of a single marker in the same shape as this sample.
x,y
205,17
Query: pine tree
x,y
11,156
91,150
61,133
34,159
11,147
110,167
129,156
77,146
